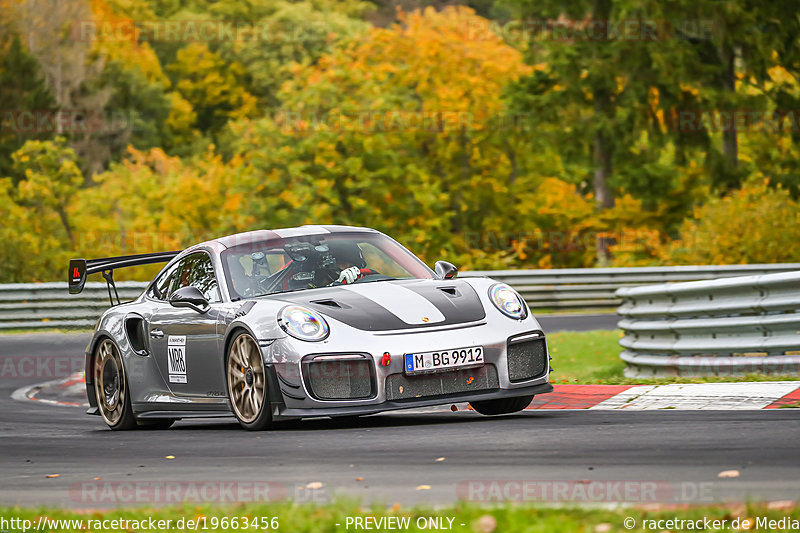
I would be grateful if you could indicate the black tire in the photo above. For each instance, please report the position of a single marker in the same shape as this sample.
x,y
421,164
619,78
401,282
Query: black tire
x,y
158,423
502,406
111,387
246,378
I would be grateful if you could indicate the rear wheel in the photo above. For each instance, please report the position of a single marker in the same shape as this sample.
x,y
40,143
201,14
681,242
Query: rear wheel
x,y
247,383
502,406
111,388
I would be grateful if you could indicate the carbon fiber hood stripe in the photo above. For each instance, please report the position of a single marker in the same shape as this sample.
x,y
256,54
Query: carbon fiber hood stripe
x,y
455,300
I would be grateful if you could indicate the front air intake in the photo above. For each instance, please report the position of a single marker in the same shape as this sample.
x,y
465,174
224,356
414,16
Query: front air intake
x,y
527,356
339,377
442,384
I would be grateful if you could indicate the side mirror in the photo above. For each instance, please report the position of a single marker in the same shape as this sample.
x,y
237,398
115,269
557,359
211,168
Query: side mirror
x,y
190,297
445,270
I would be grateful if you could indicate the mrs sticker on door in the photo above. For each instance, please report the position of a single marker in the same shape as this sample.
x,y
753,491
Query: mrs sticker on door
x,y
176,358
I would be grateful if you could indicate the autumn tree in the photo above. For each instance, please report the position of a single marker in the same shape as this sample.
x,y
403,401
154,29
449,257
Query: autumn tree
x,y
51,179
286,33
403,130
213,88
24,96
588,95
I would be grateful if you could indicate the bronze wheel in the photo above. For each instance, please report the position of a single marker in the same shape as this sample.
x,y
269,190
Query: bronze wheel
x,y
247,383
111,387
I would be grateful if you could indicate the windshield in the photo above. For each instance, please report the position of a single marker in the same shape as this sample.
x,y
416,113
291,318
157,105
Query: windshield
x,y
298,263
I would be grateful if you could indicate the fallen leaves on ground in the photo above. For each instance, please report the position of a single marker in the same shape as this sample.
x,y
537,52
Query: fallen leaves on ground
x,y
486,524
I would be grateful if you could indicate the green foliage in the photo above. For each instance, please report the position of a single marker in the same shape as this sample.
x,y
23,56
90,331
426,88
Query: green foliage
x,y
35,212
24,95
51,178
405,119
28,252
212,87
491,143
292,32
757,224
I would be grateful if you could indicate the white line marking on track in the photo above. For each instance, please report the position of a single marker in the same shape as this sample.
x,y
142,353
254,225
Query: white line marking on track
x,y
701,396
28,394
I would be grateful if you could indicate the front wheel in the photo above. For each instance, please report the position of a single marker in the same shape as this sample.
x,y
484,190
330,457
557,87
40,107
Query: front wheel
x,y
247,384
502,406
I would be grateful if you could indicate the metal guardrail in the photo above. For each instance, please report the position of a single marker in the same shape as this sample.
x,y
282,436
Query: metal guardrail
x,y
584,288
47,305
727,326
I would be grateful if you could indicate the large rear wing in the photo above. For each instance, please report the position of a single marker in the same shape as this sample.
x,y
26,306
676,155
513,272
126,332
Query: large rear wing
x,y
79,269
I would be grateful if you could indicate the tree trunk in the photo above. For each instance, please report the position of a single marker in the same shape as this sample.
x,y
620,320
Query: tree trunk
x,y
603,144
456,197
604,198
730,145
62,214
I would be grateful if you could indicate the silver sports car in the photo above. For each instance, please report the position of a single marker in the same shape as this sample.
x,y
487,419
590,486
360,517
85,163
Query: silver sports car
x,y
301,322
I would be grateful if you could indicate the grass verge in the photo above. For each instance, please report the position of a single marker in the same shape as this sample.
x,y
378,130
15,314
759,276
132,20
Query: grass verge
x,y
529,518
593,357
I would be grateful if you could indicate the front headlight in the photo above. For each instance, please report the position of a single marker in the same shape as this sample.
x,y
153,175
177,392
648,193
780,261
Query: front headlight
x,y
302,323
508,301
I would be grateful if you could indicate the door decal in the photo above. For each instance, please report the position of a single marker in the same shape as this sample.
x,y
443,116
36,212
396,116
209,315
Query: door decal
x,y
176,358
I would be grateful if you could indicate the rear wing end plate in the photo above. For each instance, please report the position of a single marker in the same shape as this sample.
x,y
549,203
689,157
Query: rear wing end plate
x,y
77,275
80,269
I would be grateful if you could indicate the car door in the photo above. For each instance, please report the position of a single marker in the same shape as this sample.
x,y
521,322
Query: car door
x,y
185,342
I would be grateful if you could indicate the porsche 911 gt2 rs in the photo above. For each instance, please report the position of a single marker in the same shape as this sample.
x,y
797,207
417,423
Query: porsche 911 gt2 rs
x,y
305,322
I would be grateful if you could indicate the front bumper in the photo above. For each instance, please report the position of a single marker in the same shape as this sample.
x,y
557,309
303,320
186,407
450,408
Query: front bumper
x,y
409,404
294,396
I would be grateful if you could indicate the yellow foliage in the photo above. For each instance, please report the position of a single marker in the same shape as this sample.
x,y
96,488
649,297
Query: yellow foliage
x,y
109,41
757,224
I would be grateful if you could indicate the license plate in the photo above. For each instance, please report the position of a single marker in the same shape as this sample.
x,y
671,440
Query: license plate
x,y
443,359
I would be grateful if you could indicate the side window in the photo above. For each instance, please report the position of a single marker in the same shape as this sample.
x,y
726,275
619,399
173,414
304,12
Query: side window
x,y
161,289
196,270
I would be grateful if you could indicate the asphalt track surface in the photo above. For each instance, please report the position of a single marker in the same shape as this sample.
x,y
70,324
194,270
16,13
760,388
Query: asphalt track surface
x,y
680,452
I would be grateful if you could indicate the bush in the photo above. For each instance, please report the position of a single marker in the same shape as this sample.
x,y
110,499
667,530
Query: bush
x,y
756,224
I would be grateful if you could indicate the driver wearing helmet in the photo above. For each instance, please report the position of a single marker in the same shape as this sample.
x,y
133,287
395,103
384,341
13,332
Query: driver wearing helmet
x,y
350,260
